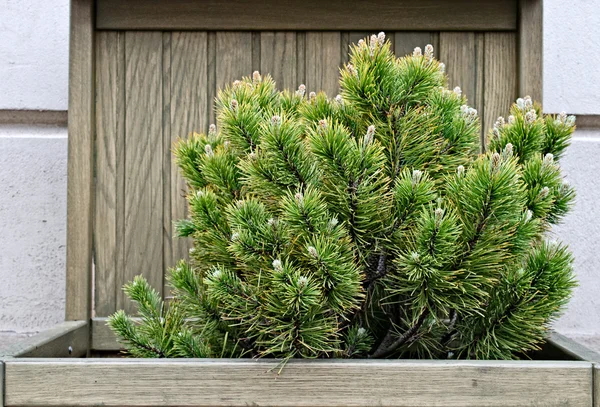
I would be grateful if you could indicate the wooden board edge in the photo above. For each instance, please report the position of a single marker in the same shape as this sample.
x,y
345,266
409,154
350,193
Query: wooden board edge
x,y
1,383
80,168
241,382
68,339
573,348
272,15
596,385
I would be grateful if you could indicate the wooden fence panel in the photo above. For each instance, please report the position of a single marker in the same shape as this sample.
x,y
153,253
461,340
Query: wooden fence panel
x,y
187,111
153,87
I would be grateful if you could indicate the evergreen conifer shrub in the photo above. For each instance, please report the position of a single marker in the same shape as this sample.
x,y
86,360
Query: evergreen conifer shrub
x,y
369,225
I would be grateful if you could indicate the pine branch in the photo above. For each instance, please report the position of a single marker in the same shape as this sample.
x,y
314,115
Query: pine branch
x,y
389,345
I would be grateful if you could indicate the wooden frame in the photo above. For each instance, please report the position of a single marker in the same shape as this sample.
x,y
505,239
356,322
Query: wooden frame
x,y
457,15
506,23
46,369
222,382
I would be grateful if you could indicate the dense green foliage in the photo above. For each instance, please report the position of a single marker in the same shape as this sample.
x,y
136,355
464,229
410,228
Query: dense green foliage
x,y
369,225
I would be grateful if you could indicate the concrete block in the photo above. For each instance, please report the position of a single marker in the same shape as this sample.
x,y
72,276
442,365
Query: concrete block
x,y
33,189
581,231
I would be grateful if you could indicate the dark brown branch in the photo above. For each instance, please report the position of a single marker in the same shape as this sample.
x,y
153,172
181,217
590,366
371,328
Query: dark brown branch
x,y
388,345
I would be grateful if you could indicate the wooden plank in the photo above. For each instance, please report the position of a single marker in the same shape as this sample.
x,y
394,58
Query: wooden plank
x,y
301,57
66,340
1,383
255,51
278,57
110,176
349,39
323,60
463,55
573,348
168,249
187,113
211,90
531,49
143,250
223,382
80,161
233,56
500,73
406,41
102,337
596,389
429,15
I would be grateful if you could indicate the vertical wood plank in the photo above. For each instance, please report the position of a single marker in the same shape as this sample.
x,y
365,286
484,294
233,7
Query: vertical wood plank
x,y
211,90
168,242
143,159
301,57
80,161
110,143
233,56
462,52
406,41
278,57
255,51
1,383
347,40
323,61
500,85
531,47
596,385
187,113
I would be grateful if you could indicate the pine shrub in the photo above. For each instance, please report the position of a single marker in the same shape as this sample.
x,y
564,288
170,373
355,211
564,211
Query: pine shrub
x,y
370,225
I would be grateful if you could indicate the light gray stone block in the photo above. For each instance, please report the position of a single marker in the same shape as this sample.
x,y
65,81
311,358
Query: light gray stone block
x,y
581,231
33,173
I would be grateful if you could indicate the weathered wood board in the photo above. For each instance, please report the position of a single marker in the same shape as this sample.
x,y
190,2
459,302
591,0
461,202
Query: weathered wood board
x,y
222,382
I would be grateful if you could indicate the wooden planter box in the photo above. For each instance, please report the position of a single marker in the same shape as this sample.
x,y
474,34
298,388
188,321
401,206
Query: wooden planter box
x,y
144,72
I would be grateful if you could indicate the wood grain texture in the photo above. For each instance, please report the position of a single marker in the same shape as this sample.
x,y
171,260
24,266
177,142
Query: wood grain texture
x,y
143,221
463,55
67,340
406,41
270,15
500,73
278,57
348,39
531,44
102,337
110,174
323,61
301,57
80,161
188,112
233,57
223,382
168,236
